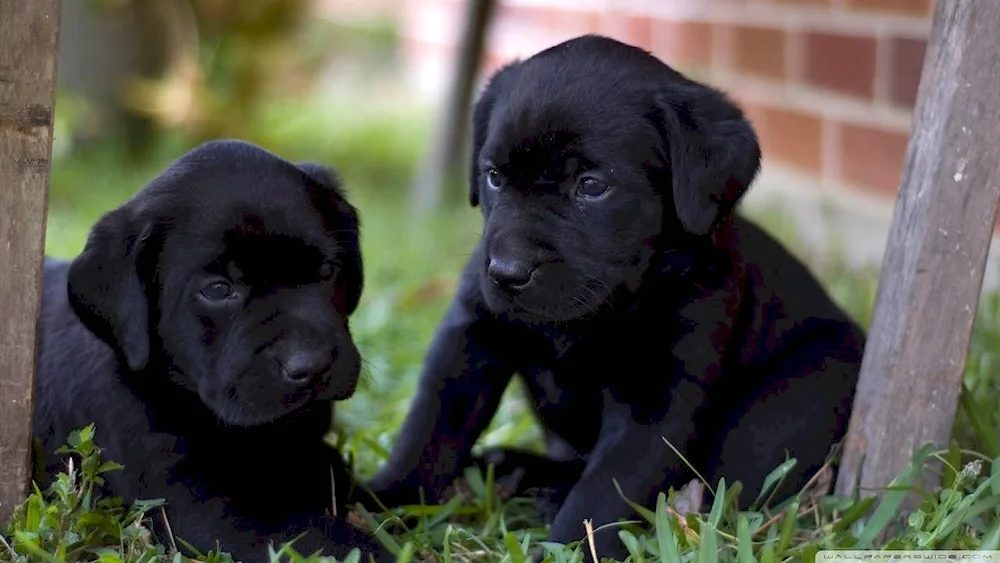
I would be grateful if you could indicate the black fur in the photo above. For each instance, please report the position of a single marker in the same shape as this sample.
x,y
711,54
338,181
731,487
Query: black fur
x,y
218,406
645,313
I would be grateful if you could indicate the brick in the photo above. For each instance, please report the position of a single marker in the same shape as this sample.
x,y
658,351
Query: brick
x,y
634,30
682,42
804,3
759,51
842,63
792,138
872,158
903,7
491,63
906,62
567,23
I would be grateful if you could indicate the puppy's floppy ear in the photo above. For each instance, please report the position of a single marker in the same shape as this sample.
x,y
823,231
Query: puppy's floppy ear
x,y
341,220
495,87
713,151
106,284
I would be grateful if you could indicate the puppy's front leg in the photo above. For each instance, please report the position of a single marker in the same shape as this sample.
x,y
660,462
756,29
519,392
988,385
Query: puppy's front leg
x,y
631,451
459,391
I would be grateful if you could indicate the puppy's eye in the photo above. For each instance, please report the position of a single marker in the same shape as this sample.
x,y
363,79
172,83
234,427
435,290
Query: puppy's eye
x,y
217,290
494,178
592,187
326,271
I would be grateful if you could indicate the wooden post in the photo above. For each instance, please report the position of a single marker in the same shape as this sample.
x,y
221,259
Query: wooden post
x,y
932,276
443,160
29,38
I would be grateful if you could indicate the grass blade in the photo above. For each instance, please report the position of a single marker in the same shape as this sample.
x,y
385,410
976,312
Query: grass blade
x,y
892,499
632,545
857,511
788,527
665,539
715,516
979,419
994,470
774,477
953,467
446,549
642,511
406,554
387,540
744,545
709,548
513,548
991,539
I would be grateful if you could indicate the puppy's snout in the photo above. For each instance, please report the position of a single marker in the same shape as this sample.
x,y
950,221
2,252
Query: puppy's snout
x,y
511,274
302,367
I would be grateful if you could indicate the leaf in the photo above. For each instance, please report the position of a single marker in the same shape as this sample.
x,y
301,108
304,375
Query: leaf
x,y
110,466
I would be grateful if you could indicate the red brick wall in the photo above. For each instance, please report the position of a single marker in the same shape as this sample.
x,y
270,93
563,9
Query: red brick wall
x,y
829,84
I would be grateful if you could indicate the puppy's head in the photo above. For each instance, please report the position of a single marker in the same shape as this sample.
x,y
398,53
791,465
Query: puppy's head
x,y
588,160
233,273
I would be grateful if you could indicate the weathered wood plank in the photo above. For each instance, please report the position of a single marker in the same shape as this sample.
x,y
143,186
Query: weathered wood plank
x,y
29,35
932,275
443,163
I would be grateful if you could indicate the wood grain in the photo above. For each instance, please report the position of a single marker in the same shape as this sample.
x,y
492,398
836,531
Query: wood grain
x,y
932,276
29,35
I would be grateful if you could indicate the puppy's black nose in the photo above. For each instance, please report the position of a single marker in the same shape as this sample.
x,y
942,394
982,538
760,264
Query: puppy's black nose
x,y
304,366
510,274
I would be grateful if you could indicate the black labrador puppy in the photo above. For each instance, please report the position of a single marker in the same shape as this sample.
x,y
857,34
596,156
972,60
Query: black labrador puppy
x,y
204,330
613,276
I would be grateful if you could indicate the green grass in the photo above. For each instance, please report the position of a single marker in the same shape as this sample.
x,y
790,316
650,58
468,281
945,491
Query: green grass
x,y
412,265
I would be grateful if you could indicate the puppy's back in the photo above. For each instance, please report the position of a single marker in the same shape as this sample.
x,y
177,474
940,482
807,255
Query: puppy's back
x,y
790,303
75,377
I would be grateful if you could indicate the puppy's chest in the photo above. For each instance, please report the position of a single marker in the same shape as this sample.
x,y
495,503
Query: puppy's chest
x,y
559,366
580,368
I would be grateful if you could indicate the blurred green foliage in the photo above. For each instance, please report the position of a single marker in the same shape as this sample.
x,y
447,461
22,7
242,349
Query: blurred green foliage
x,y
225,60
